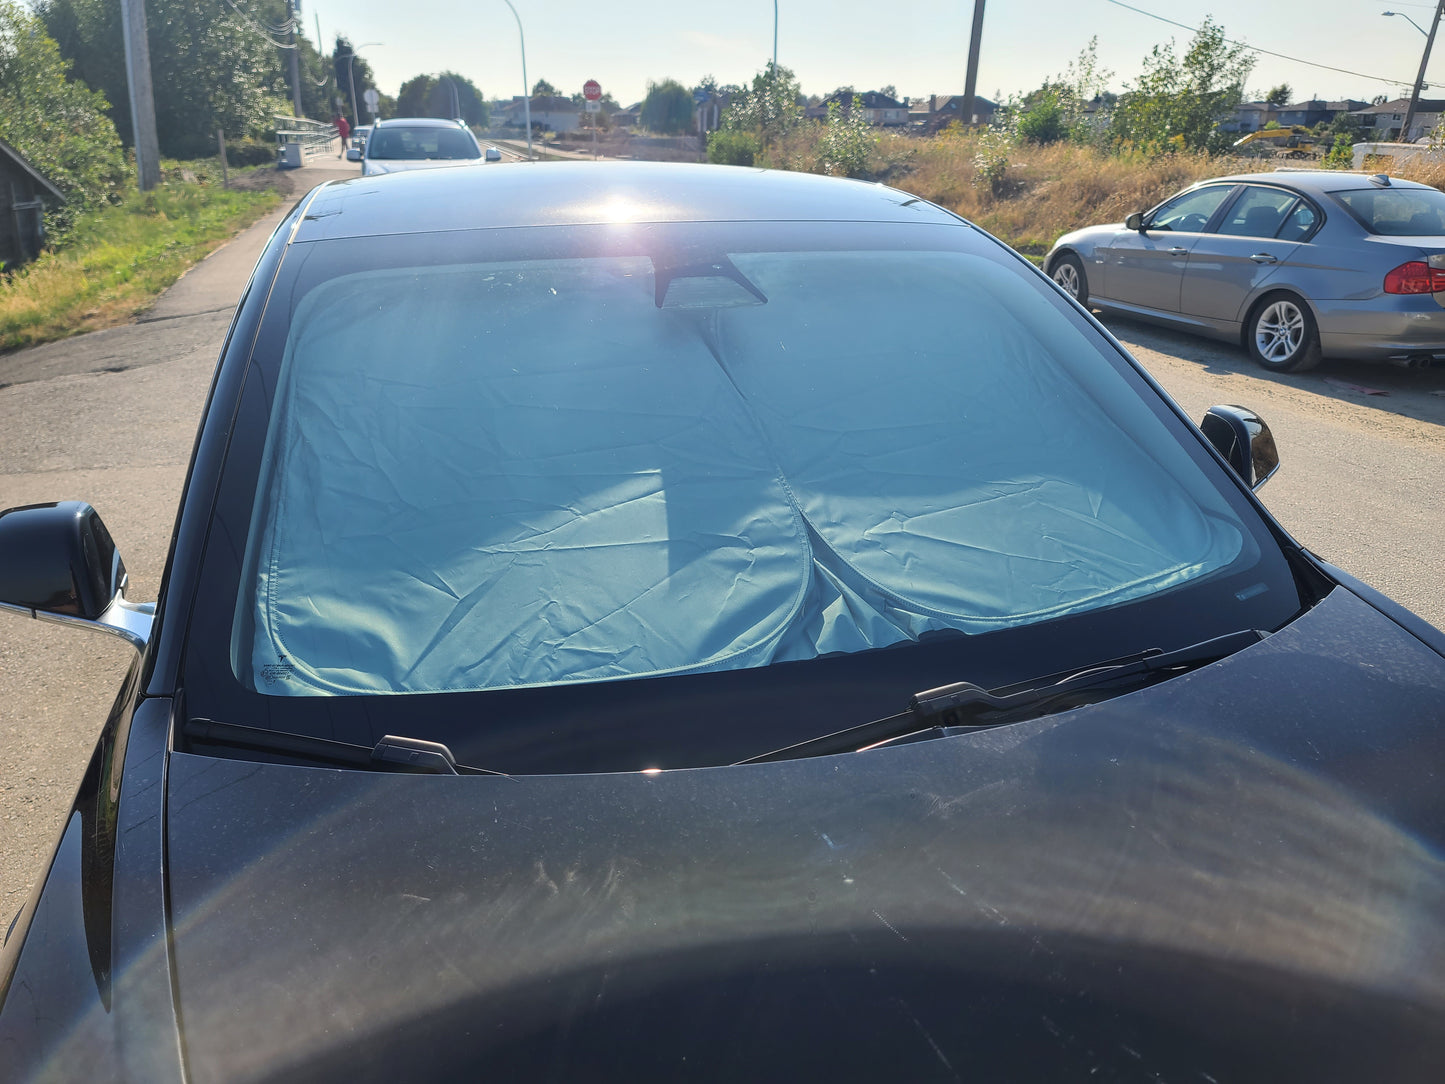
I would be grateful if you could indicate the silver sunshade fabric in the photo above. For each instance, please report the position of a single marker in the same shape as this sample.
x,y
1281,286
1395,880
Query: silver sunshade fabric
x,y
526,474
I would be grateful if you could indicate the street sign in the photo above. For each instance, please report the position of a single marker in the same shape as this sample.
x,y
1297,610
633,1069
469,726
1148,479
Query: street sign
x,y
592,107
592,90
371,98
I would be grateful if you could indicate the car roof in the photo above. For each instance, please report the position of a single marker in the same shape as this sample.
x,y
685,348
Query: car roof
x,y
418,122
576,193
1316,181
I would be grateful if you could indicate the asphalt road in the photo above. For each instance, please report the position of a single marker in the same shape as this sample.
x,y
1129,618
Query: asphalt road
x,y
110,417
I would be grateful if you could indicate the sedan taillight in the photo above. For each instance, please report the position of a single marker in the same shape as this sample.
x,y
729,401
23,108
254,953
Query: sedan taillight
x,y
1415,277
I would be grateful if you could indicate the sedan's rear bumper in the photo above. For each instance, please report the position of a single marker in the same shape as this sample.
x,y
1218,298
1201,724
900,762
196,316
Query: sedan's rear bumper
x,y
1385,328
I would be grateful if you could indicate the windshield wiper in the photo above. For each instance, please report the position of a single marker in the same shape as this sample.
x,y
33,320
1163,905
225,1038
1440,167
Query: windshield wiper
x,y
391,754
964,705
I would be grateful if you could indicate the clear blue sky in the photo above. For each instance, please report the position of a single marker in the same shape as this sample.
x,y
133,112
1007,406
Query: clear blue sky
x,y
920,46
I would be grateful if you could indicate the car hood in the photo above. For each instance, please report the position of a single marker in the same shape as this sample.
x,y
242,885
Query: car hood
x,y
375,167
1236,874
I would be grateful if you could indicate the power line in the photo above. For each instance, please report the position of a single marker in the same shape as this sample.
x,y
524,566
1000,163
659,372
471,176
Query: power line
x,y
1266,52
261,29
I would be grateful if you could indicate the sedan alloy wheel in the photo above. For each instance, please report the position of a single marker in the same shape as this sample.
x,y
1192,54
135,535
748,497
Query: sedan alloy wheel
x,y
1282,336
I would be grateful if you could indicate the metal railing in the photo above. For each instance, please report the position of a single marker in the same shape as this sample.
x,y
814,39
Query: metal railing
x,y
315,136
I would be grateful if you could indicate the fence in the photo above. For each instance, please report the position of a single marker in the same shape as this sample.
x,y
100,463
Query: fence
x,y
314,136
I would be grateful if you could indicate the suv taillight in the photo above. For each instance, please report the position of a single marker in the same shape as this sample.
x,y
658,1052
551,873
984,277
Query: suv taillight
x,y
1415,277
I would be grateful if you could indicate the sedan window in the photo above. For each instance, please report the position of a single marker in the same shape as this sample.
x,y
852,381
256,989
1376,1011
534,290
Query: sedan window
x,y
1259,212
1191,212
1397,212
1299,223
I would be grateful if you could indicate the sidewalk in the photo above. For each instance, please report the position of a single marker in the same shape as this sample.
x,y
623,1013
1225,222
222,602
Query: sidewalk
x,y
214,284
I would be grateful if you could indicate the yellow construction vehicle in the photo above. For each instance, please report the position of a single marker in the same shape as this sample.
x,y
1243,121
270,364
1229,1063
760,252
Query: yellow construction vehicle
x,y
1292,141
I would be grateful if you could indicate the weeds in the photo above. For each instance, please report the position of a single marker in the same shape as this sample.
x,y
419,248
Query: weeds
x,y
118,258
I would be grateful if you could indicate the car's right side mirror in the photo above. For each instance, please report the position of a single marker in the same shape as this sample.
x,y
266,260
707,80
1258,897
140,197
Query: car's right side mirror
x,y
1242,437
1135,221
353,155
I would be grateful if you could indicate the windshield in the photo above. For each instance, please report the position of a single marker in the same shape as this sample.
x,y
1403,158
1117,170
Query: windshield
x,y
421,142
531,461
1397,212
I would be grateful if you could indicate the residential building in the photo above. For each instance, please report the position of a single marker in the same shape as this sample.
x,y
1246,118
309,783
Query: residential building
x,y
938,111
877,107
1387,119
1249,117
549,112
1315,112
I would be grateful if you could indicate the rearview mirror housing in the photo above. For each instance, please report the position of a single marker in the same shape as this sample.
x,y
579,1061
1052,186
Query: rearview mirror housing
x,y
1243,438
353,154
1135,221
59,563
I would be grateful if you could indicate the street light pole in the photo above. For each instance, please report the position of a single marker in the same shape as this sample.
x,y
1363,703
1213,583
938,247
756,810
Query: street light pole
x,y
1420,79
351,80
527,90
775,39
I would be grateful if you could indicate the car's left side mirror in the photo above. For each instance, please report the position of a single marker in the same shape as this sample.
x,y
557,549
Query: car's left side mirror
x,y
353,154
1135,221
58,563
1242,437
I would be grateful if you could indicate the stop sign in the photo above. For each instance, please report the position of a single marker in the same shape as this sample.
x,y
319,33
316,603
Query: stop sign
x,y
592,90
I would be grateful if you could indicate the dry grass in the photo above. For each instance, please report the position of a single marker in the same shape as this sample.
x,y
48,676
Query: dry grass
x,y
1045,191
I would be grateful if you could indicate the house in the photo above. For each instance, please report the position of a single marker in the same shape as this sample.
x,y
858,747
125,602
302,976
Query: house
x,y
878,108
1249,117
1314,112
24,191
549,112
1388,118
627,118
938,111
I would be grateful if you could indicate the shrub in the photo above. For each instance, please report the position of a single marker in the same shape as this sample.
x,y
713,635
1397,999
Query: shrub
x,y
1342,154
732,148
847,139
250,152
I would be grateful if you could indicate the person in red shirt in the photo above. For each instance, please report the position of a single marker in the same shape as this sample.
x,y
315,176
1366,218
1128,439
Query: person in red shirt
x,y
345,131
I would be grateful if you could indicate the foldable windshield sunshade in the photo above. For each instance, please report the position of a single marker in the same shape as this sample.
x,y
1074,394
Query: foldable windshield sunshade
x,y
506,475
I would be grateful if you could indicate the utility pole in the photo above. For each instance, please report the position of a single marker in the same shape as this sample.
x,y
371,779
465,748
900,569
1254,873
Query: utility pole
x,y
142,100
295,6
1420,79
970,83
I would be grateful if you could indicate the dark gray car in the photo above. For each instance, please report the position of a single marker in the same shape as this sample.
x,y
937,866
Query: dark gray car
x,y
1293,265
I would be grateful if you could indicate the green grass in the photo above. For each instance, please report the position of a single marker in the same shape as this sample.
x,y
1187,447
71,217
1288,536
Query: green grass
x,y
119,258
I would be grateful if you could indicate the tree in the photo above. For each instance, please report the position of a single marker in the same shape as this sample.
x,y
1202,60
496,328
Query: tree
x,y
1044,115
58,124
1177,102
542,88
211,67
847,140
667,108
431,96
769,107
1279,95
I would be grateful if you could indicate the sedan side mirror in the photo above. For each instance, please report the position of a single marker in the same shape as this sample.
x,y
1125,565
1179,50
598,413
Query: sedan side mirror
x,y
1242,437
1135,221
58,563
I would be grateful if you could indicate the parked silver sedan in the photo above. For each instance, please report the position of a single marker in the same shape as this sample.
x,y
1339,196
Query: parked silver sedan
x,y
1293,265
